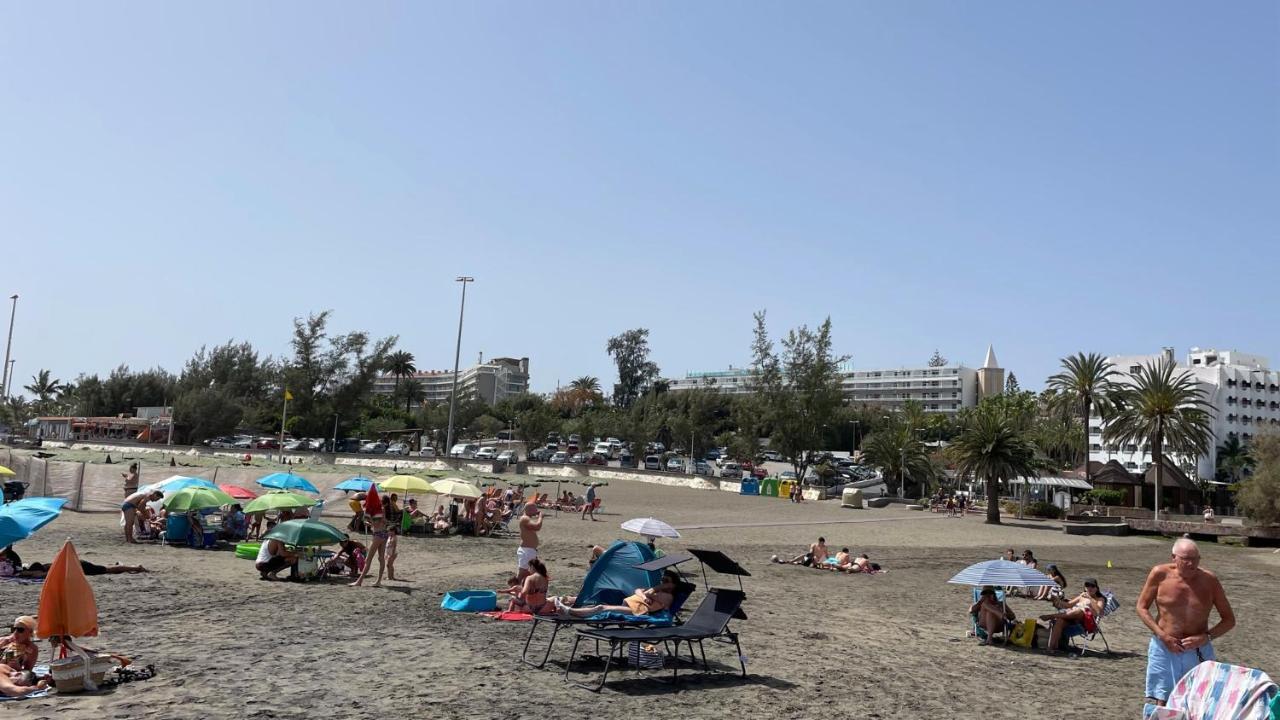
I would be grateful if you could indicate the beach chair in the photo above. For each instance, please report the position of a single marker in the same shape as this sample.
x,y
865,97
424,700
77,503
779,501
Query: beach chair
x,y
1217,691
980,633
710,621
1077,631
612,578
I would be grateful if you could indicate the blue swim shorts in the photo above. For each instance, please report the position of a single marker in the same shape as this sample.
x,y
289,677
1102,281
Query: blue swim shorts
x,y
1165,667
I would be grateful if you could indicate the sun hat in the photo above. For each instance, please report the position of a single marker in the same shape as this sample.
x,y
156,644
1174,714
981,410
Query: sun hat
x,y
25,621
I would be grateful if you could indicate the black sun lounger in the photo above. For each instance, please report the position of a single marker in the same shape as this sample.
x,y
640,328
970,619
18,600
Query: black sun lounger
x,y
709,622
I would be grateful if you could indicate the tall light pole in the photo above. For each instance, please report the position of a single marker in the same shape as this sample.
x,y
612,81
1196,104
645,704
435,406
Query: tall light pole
x,y
457,355
8,366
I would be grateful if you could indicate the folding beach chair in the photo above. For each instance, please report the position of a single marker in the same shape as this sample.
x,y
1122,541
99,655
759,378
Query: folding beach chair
x,y
1217,691
618,571
710,621
1077,630
975,630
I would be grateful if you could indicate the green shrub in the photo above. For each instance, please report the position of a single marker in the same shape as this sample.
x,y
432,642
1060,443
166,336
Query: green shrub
x,y
1103,496
1044,510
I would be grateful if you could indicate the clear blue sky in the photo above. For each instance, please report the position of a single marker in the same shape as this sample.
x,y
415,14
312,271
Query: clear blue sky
x,y
1047,177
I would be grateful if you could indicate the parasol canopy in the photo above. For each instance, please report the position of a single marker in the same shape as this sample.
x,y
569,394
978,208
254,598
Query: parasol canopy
x,y
407,484
20,519
305,532
287,481
238,492
278,501
174,483
650,527
457,488
67,607
358,483
1002,573
196,498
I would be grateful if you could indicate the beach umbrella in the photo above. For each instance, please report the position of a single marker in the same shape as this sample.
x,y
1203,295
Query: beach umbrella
x,y
278,501
456,487
177,482
407,484
6,472
238,492
650,527
67,608
196,498
305,532
287,481
358,483
20,519
1002,573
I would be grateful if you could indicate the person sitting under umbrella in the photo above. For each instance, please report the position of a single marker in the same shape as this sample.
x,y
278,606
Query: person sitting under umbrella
x,y
18,649
990,615
273,557
641,602
237,525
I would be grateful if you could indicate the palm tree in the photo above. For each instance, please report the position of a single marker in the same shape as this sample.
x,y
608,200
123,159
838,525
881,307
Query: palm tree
x,y
995,445
413,392
899,455
43,386
1084,383
400,364
1164,408
1234,458
586,382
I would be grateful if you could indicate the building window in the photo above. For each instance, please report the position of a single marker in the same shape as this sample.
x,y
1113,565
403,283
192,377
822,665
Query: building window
x,y
1095,447
1135,369
1131,448
1131,464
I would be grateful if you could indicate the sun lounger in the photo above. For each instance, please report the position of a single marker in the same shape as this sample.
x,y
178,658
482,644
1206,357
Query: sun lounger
x,y
1078,630
709,622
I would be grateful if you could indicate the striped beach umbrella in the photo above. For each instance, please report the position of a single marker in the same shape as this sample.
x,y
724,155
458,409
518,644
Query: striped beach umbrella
x,y
1002,573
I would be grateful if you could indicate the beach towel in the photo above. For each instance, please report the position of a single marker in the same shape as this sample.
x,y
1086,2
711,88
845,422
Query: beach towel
x,y
505,616
661,618
22,580
1217,691
40,671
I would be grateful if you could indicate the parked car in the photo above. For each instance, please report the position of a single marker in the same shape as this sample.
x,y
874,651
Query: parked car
x,y
538,455
398,448
487,453
731,470
316,444
578,459
553,439
605,449
702,467
760,472
560,456
597,459
771,456
675,465
349,445
226,441
375,447
712,455
295,445
506,435
788,475
572,448
552,447
427,452
626,460
243,442
267,444
509,457
652,462
464,450
575,439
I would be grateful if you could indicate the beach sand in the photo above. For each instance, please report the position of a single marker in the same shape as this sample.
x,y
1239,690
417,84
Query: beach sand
x,y
818,644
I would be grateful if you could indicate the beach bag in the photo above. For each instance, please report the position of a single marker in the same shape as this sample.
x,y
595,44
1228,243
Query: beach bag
x,y
643,655
1023,634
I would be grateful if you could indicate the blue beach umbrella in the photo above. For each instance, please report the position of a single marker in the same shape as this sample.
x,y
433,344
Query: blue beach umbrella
x,y
20,519
358,483
178,482
287,481
1002,573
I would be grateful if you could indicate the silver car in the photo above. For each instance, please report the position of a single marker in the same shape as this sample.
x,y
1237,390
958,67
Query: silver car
x,y
398,449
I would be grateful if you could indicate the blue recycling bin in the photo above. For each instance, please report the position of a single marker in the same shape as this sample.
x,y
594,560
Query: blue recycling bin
x,y
176,529
749,487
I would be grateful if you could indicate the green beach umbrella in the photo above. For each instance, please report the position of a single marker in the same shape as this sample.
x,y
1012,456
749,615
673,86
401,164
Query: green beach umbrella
x,y
196,498
278,501
305,532
523,483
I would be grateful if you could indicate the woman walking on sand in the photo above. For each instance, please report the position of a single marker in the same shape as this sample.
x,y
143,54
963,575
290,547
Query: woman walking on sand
x,y
378,544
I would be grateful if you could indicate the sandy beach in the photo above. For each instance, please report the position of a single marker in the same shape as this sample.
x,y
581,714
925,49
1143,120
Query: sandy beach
x,y
818,644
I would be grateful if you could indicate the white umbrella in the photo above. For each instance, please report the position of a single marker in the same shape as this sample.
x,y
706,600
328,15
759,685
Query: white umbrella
x,y
650,527
456,487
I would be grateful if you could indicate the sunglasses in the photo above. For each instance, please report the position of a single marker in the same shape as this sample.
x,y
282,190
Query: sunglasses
x,y
18,628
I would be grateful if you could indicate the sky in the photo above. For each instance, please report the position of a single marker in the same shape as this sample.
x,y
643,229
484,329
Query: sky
x,y
1044,177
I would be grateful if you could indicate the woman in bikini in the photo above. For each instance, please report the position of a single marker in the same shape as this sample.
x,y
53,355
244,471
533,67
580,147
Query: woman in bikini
x,y
377,545
641,602
395,516
1083,609
531,596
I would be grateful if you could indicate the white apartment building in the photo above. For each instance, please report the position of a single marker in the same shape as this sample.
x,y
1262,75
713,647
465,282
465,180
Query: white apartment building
x,y
491,381
1241,390
944,389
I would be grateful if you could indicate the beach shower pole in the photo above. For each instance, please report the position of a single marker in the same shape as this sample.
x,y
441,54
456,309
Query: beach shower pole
x,y
8,366
457,354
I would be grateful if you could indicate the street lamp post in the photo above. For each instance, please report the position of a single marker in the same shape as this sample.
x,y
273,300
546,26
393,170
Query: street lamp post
x,y
457,355
854,450
335,433
8,365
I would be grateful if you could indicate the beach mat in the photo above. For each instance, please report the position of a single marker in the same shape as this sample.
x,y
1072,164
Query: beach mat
x,y
505,616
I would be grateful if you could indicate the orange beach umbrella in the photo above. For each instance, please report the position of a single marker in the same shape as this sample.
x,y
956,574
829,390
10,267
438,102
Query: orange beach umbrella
x,y
67,607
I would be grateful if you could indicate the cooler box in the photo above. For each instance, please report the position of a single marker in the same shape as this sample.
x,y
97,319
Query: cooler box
x,y
248,550
749,487
470,601
176,529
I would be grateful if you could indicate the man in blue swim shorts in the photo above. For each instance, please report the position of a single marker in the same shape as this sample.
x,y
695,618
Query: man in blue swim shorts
x,y
129,509
1183,593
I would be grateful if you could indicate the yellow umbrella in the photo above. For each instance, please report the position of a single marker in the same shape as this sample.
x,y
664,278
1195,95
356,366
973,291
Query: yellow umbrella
x,y
407,484
456,488
4,471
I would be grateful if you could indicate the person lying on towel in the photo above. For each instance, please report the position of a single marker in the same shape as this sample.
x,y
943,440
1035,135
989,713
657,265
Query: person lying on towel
x,y
641,602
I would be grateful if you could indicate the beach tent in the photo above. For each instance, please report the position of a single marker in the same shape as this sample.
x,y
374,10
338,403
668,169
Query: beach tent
x,y
614,575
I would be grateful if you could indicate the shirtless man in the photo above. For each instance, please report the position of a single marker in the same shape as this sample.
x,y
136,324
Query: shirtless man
x,y
129,508
1181,638
819,552
530,524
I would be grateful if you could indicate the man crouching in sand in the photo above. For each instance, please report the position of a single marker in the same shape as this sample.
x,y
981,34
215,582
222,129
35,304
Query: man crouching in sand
x,y
1183,593
530,524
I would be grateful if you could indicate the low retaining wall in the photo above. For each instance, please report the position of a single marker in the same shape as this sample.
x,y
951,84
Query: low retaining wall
x,y
1216,529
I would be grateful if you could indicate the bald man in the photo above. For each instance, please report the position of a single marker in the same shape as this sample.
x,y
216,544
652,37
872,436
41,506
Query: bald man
x,y
530,524
1183,593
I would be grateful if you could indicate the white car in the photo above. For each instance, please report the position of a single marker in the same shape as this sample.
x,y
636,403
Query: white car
x,y
731,470
508,456
487,453
427,452
464,450
604,449
560,457
675,465
398,449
